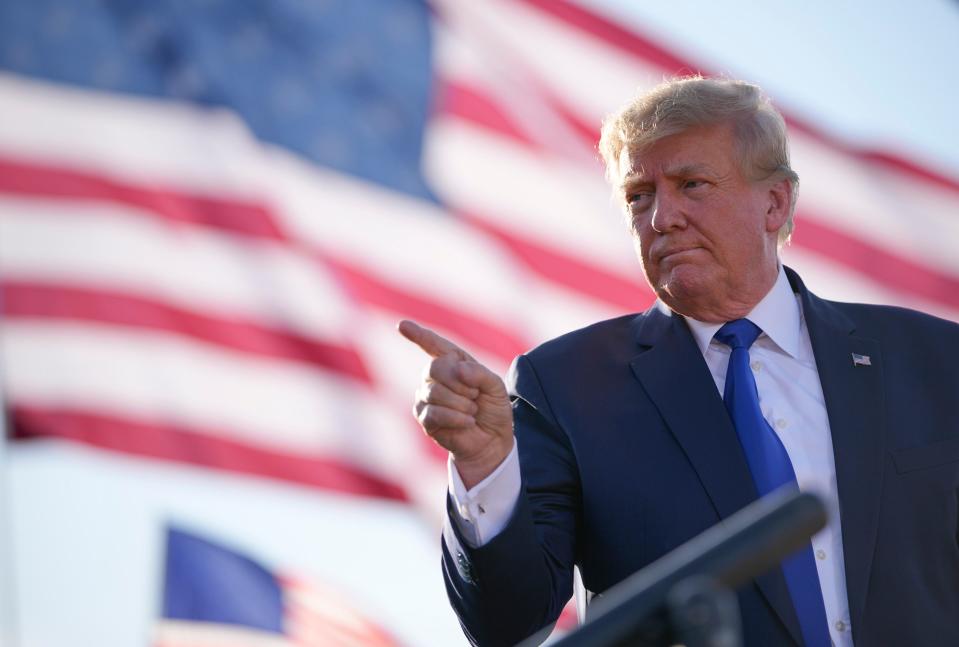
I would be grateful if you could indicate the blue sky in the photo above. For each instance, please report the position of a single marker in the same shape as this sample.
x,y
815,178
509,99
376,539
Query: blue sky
x,y
884,72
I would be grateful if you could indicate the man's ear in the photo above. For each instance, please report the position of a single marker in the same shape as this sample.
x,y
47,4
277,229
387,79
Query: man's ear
x,y
778,199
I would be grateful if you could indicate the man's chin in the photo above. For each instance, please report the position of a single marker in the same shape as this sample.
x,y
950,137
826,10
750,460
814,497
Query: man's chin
x,y
687,277
684,287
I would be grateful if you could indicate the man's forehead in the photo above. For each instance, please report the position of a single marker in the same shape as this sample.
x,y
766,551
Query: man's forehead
x,y
698,150
635,169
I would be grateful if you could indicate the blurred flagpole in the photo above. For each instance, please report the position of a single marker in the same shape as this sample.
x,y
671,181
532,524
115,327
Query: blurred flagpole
x,y
8,615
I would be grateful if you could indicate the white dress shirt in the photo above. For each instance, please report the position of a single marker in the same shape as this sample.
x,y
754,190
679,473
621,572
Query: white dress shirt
x,y
791,399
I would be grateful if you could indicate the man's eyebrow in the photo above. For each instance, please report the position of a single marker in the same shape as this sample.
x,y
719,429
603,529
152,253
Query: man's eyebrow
x,y
690,169
633,180
638,179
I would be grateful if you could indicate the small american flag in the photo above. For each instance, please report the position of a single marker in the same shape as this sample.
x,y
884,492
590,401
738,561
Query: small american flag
x,y
215,596
861,360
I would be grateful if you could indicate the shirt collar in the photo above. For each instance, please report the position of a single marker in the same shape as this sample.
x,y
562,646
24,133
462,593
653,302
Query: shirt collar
x,y
777,314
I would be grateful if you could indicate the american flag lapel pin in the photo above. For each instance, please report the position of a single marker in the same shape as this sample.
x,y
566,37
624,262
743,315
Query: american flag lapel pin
x,y
861,360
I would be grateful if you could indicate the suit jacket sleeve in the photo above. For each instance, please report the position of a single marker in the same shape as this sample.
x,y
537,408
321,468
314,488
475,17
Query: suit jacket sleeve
x,y
520,580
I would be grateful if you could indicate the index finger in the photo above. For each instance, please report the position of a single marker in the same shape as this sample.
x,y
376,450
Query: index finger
x,y
432,344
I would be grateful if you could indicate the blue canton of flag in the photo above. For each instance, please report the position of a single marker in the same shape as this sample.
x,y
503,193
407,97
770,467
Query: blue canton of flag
x,y
205,582
214,595
347,85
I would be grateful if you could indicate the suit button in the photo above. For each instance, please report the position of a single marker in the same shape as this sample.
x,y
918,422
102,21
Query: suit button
x,y
466,570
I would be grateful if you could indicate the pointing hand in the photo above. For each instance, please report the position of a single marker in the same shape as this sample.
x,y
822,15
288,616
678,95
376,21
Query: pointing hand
x,y
462,405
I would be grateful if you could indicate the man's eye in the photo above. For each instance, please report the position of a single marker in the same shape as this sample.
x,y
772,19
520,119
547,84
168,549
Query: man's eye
x,y
637,198
692,184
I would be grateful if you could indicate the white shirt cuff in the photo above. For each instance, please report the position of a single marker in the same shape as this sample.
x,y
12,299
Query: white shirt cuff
x,y
482,512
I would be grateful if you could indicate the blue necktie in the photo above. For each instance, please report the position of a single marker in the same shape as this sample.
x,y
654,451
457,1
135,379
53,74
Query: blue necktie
x,y
771,469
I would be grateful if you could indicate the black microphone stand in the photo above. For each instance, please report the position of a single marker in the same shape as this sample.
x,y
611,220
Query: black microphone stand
x,y
687,596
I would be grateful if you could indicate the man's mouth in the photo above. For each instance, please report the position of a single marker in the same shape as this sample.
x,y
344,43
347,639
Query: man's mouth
x,y
675,252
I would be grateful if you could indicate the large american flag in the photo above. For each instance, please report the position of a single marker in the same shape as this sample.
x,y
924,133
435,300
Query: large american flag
x,y
213,213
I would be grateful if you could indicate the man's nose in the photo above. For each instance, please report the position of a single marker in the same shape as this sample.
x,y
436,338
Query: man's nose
x,y
667,213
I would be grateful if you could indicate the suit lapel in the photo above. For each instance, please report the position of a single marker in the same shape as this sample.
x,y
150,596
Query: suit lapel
x,y
674,375
854,403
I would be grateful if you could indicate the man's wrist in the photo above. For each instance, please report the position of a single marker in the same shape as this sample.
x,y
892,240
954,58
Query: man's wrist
x,y
482,512
474,470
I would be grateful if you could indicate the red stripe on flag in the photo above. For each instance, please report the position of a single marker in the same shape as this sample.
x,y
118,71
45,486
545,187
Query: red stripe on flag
x,y
900,165
906,167
477,106
203,447
474,106
257,221
20,299
632,43
310,628
612,33
57,182
318,615
570,272
892,271
474,331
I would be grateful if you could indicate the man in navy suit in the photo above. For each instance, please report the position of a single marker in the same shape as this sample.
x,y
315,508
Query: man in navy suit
x,y
616,443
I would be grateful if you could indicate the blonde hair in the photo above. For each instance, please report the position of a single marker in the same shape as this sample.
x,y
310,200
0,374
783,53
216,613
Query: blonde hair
x,y
679,104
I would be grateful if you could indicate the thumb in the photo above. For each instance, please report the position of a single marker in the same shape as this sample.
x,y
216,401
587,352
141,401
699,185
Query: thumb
x,y
474,374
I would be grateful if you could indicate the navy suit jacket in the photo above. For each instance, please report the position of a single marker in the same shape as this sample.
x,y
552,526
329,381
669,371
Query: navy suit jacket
x,y
626,451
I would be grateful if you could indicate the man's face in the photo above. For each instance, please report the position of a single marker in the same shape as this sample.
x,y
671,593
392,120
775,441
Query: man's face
x,y
705,234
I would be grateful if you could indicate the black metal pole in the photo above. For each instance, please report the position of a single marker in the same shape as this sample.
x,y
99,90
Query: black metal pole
x,y
734,551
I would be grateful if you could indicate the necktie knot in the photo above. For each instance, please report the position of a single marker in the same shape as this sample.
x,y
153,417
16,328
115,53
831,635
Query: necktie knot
x,y
740,333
